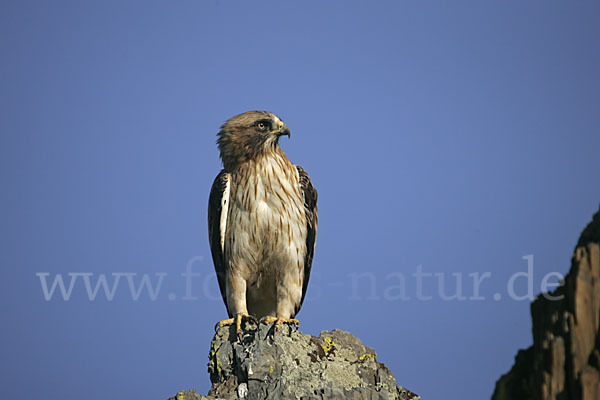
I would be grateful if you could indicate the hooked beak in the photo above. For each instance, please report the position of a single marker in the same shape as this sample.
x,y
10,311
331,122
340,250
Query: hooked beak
x,y
282,130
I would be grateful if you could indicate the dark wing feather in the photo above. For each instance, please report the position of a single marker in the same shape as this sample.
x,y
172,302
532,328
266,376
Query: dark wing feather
x,y
214,230
310,208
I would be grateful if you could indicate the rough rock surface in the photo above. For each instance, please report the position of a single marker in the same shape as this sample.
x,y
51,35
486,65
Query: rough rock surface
x,y
564,361
286,364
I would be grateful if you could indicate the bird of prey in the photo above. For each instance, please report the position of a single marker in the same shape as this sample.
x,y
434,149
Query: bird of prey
x,y
262,223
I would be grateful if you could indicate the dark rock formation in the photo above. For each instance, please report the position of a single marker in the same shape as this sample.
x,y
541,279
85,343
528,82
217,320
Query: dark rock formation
x,y
286,364
564,361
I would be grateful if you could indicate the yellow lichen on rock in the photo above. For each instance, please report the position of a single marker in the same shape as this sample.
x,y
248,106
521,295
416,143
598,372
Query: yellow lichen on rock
x,y
329,345
366,356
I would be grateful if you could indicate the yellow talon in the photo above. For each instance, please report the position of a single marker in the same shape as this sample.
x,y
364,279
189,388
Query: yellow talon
x,y
237,320
225,322
278,321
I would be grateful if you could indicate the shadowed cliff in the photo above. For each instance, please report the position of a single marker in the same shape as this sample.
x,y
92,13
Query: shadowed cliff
x,y
564,361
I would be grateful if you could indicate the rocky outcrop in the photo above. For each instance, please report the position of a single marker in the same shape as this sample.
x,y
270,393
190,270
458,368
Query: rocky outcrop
x,y
286,364
564,361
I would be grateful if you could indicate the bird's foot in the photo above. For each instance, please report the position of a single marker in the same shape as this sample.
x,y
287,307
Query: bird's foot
x,y
278,321
237,320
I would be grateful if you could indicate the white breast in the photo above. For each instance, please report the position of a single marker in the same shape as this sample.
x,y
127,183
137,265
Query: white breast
x,y
267,219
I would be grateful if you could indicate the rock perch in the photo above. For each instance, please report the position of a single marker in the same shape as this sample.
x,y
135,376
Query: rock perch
x,y
287,364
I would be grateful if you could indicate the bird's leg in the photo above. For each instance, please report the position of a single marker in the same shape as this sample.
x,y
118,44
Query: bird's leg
x,y
269,319
237,320
236,303
286,300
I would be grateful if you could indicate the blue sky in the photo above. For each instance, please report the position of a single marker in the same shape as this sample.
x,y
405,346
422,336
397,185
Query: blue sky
x,y
454,137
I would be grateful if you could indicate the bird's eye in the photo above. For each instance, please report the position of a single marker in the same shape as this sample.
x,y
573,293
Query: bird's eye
x,y
261,126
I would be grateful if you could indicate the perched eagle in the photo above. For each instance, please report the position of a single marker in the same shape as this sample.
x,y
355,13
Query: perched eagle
x,y
262,222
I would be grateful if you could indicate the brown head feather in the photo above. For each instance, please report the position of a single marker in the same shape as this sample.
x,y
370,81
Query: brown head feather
x,y
241,138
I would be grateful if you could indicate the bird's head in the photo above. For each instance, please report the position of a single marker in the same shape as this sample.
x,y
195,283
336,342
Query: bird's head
x,y
248,136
